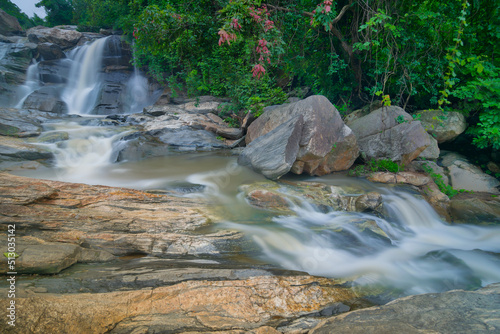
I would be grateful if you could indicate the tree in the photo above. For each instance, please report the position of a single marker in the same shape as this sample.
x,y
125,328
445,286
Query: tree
x,y
59,12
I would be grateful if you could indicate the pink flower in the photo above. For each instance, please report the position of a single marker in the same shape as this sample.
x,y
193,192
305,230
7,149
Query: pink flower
x,y
225,37
258,70
268,25
327,9
235,24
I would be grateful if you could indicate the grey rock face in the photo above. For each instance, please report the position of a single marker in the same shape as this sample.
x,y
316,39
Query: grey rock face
x,y
390,133
450,312
274,153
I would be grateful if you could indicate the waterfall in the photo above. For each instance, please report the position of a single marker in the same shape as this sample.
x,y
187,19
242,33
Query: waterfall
x,y
411,249
137,92
84,82
31,84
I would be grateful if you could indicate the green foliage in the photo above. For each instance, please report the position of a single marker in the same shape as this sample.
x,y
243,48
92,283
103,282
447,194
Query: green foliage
x,y
59,12
401,119
446,189
373,166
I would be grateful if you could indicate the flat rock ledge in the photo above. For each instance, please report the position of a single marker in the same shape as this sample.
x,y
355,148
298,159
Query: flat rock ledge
x,y
190,306
60,223
451,312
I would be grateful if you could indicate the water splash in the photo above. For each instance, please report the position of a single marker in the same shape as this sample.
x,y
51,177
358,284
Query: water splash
x,y
85,153
84,80
412,249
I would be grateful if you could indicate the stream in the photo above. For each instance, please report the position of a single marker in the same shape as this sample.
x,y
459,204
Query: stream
x,y
410,249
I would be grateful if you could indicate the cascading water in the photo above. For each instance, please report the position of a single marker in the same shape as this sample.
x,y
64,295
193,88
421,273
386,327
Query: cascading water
x,y
86,151
31,84
411,250
84,81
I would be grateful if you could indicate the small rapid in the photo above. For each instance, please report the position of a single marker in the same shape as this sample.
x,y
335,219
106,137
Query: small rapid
x,y
411,249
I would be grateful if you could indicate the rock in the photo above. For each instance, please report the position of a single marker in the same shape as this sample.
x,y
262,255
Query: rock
x,y
279,196
14,63
444,126
62,37
46,99
390,133
464,175
175,130
415,179
422,166
118,221
274,153
432,151
16,149
54,71
363,112
9,25
473,208
49,51
48,258
368,202
192,305
326,144
455,311
117,52
12,123
493,167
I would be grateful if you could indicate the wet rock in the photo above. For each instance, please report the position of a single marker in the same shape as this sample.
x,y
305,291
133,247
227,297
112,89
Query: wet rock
x,y
427,313
17,149
117,52
326,144
46,99
444,126
52,137
13,123
274,153
62,37
464,175
49,51
472,208
279,196
118,221
9,25
54,71
390,133
192,305
14,64
368,202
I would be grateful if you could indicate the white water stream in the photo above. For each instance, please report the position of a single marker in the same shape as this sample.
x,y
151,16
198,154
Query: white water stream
x,y
84,81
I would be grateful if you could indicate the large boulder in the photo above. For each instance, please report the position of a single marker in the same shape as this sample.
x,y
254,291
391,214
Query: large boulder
x,y
455,311
390,133
274,153
64,38
46,99
325,143
464,175
9,25
49,51
444,126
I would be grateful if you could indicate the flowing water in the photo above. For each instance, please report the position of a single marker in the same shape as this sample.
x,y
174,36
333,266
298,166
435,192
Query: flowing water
x,y
84,81
410,249
31,84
